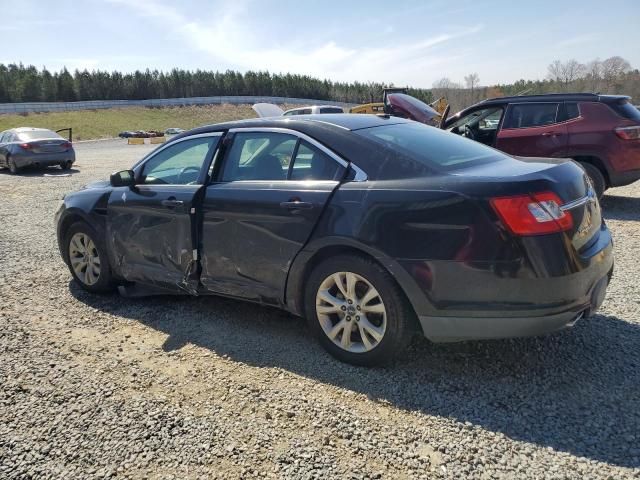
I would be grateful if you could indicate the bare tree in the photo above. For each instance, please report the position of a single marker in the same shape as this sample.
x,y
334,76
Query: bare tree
x,y
472,80
593,75
450,90
565,73
613,69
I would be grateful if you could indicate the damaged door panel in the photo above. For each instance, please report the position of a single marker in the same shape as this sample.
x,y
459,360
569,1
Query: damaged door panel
x,y
269,194
152,226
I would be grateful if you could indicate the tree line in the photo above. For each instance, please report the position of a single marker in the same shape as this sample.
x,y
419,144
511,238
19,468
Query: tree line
x,y
19,83
613,75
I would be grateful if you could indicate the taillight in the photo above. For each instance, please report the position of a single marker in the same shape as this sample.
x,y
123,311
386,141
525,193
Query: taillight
x,y
535,214
66,145
26,146
628,133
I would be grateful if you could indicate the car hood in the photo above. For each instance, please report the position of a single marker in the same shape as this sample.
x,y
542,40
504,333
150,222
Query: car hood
x,y
267,110
96,184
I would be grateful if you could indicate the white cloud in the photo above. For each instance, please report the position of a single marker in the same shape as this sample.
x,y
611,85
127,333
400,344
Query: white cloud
x,y
232,41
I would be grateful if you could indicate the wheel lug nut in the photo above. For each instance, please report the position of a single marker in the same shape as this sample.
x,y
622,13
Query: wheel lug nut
x,y
357,318
348,319
343,308
358,307
350,301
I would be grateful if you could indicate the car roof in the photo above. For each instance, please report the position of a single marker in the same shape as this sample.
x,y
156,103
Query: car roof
x,y
29,129
340,121
554,97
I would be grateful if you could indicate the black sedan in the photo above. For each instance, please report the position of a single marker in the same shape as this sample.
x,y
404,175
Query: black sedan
x,y
371,227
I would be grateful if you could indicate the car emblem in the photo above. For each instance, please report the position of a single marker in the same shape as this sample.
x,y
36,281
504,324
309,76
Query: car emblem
x,y
124,197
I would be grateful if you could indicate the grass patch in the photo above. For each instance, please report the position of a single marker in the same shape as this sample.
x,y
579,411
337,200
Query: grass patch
x,y
93,124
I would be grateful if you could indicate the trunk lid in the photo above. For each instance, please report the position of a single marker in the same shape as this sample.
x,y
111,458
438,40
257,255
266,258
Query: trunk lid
x,y
52,145
564,178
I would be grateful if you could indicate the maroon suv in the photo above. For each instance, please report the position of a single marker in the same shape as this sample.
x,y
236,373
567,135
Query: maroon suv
x,y
601,132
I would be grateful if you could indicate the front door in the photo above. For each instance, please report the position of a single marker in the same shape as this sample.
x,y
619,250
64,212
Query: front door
x,y
533,130
151,227
268,196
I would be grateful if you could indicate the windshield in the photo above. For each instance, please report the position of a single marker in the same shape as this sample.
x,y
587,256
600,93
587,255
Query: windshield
x,y
37,135
431,146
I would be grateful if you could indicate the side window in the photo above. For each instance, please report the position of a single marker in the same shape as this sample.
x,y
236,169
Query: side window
x,y
331,110
258,156
572,110
312,163
524,115
178,164
485,119
3,136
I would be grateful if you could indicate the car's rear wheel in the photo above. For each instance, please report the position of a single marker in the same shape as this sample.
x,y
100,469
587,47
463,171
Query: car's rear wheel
x,y
597,178
13,168
358,311
87,258
66,165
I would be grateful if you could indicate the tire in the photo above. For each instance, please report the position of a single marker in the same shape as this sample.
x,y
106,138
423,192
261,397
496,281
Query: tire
x,y
66,165
597,178
86,277
383,336
13,168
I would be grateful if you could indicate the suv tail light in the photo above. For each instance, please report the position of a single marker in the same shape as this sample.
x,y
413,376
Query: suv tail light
x,y
535,214
628,133
26,146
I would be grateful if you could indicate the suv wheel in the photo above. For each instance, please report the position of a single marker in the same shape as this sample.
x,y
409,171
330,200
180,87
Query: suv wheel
x,y
357,311
597,178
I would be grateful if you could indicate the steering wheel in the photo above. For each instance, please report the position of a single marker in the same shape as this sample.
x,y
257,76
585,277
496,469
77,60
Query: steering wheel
x,y
469,133
185,170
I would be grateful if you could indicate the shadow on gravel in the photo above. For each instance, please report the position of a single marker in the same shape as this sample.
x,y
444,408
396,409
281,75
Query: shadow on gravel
x,y
576,391
41,172
620,208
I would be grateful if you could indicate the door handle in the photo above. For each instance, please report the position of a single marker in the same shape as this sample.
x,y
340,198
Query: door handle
x,y
550,134
296,205
172,203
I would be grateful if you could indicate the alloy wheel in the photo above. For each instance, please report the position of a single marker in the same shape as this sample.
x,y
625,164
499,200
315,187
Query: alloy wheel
x,y
84,258
351,312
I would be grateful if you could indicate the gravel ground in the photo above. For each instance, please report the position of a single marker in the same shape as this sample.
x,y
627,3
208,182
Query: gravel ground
x,y
102,386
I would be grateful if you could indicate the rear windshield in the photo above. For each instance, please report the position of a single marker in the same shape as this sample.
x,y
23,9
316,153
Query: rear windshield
x,y
626,110
431,146
37,135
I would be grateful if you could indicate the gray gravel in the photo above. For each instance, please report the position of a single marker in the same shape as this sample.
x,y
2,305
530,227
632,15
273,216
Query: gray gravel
x,y
102,386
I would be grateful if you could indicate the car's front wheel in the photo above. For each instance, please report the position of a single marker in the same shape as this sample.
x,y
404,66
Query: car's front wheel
x,y
87,259
357,310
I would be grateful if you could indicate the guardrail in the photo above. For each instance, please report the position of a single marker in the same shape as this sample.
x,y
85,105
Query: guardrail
x,y
35,107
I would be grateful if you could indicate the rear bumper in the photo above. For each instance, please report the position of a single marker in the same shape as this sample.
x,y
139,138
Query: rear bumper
x,y
43,160
620,179
455,329
471,303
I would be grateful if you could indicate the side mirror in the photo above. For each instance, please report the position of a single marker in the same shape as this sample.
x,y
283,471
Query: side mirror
x,y
124,178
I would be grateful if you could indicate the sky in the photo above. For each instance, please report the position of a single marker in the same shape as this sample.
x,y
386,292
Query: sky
x,y
393,42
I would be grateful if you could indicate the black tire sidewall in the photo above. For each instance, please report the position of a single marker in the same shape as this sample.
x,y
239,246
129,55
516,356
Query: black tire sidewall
x,y
398,332
597,178
10,164
105,280
65,165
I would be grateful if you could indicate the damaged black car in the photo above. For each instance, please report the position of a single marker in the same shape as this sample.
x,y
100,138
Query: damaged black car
x,y
373,228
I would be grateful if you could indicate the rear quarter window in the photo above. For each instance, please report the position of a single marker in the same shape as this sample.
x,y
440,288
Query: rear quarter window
x,y
626,110
434,148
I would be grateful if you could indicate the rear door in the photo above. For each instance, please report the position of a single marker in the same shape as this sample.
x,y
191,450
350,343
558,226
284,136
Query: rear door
x,y
269,193
151,227
533,130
